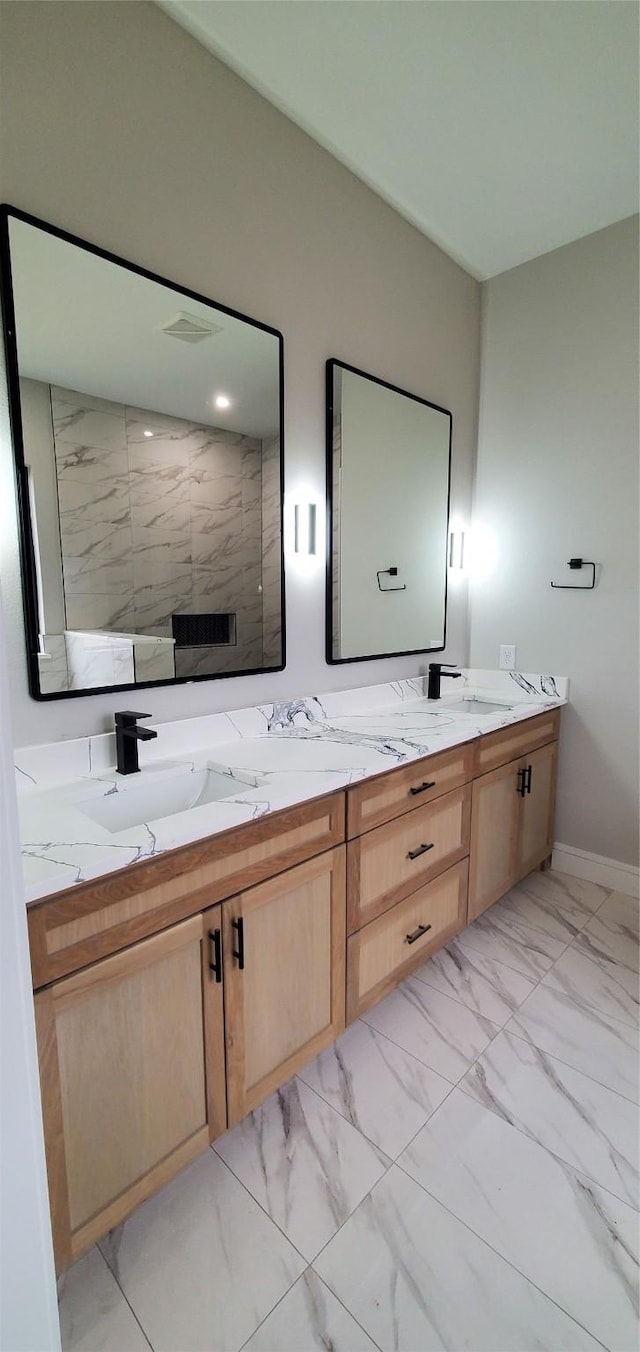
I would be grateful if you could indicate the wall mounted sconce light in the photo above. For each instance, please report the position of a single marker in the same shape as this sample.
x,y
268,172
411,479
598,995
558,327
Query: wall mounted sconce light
x,y
305,539
456,549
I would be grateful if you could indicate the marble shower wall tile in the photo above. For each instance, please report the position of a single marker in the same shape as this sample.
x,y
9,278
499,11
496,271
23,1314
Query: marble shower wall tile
x,y
271,553
84,420
575,1241
160,515
52,664
416,1278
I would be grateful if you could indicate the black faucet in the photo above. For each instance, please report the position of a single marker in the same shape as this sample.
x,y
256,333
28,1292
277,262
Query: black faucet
x,y
128,734
435,673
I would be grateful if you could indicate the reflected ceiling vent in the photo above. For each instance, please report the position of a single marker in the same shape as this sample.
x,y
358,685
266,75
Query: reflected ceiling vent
x,y
189,328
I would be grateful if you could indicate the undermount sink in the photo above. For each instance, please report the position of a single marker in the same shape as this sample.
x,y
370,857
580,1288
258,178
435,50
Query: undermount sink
x,y
474,706
146,802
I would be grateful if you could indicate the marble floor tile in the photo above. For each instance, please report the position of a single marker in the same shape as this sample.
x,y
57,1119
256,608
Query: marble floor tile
x,y
566,891
543,901
583,1123
200,1263
94,1315
613,933
303,1163
514,943
438,1030
309,1317
416,1278
574,1240
482,984
592,1042
385,1093
608,987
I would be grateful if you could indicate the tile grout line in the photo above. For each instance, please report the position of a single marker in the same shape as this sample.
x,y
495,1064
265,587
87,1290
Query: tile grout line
x,y
310,1268
578,1070
124,1296
565,1163
504,1259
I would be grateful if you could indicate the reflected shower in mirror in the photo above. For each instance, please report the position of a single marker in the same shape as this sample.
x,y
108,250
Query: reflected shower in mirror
x,y
388,475
147,434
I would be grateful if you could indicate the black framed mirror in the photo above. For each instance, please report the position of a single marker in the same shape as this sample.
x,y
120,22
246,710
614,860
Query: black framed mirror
x,y
148,444
388,491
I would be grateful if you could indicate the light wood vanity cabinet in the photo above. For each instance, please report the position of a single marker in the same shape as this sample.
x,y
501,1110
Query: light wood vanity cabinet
x,y
384,951
406,870
148,1054
132,1075
512,811
284,947
173,997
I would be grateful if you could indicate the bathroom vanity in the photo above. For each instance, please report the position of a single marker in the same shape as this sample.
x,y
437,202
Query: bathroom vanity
x,y
175,994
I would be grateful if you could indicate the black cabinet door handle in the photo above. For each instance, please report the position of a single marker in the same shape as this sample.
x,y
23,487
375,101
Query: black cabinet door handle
x,y
216,965
420,788
521,782
417,934
238,952
527,780
422,849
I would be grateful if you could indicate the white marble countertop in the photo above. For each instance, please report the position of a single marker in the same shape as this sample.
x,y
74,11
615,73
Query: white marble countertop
x,y
274,756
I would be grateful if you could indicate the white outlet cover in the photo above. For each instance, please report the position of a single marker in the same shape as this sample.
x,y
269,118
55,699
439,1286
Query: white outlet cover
x,y
507,656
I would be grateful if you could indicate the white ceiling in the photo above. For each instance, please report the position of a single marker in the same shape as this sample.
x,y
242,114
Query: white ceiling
x,y
501,128
89,325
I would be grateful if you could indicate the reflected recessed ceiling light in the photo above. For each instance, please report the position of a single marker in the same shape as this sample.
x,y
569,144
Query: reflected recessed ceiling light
x,y
223,401
147,432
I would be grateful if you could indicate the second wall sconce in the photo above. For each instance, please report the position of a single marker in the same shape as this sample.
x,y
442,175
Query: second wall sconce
x,y
305,537
456,549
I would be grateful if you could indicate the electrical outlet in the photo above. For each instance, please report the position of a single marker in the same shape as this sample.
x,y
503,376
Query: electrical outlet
x,y
507,656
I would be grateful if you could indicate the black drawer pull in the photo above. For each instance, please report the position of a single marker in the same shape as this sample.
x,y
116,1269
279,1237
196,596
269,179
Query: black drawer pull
x,y
521,782
417,934
420,788
422,849
216,965
238,953
527,779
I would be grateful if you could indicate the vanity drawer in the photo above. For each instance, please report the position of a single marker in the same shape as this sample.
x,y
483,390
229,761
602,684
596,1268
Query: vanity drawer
x,y
398,791
85,923
496,748
379,955
388,864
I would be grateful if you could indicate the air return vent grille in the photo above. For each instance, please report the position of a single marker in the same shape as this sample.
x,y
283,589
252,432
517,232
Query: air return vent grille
x,y
189,328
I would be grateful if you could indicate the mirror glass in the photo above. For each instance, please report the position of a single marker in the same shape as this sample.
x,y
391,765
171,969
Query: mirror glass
x,y
388,471
147,427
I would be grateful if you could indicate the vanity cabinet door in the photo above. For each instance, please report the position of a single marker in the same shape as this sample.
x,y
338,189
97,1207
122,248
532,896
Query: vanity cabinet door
x,y
535,839
284,977
495,815
131,1057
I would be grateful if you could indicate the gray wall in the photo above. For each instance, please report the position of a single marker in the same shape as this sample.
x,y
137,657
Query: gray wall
x,y
558,476
119,127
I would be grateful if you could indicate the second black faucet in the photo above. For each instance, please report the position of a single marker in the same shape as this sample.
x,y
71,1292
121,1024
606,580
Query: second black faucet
x,y
128,734
435,673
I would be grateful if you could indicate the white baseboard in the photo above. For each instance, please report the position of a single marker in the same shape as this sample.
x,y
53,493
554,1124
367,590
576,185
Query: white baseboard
x,y
595,868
